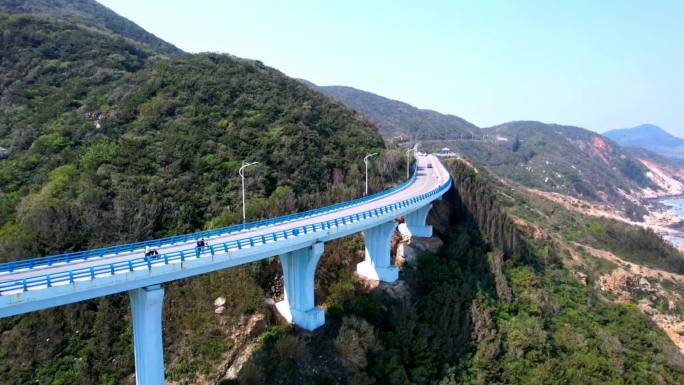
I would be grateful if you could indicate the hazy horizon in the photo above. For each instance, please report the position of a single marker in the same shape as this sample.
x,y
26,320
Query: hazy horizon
x,y
600,66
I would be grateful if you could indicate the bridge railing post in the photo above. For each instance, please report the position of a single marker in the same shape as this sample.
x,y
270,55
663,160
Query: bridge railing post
x,y
146,310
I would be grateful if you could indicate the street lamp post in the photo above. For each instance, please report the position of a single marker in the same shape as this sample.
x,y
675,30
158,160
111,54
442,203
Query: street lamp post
x,y
408,158
242,176
365,161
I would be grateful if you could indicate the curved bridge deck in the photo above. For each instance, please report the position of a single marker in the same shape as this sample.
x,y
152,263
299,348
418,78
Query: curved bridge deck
x,y
298,240
53,281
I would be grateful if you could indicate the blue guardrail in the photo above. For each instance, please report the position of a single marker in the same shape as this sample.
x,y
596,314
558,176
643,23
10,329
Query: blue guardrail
x,y
48,280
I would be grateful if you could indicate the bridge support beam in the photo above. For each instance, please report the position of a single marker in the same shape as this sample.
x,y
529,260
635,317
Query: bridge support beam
x,y
299,270
378,262
146,308
417,222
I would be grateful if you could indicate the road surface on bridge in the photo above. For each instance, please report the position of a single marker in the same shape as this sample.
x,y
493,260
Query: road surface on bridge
x,y
427,179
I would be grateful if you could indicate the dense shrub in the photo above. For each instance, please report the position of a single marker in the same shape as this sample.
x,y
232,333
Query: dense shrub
x,y
355,339
291,347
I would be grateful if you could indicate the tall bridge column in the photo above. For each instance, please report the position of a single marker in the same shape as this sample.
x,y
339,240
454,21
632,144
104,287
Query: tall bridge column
x,y
146,307
378,262
417,222
299,270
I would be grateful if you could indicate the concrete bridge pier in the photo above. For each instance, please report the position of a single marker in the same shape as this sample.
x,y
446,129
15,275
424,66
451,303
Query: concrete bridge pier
x,y
416,222
146,308
378,262
299,270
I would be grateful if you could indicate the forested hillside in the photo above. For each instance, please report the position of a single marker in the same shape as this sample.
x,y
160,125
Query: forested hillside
x,y
396,119
546,326
93,15
127,147
109,142
564,159
491,306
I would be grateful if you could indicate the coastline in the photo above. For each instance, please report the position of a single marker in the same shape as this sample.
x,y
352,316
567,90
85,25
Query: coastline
x,y
663,219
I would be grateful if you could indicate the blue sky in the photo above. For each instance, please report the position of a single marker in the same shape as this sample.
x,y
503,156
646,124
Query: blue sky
x,y
596,64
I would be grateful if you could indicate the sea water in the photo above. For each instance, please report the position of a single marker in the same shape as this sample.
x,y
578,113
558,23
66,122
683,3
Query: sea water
x,y
675,206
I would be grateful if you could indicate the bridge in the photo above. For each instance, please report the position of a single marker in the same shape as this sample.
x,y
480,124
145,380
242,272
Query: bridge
x,y
298,239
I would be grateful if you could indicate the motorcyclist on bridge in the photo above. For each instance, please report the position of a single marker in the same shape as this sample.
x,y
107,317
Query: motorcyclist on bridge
x,y
201,244
149,252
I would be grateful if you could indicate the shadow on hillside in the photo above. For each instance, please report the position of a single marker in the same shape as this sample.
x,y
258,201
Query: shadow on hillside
x,y
373,332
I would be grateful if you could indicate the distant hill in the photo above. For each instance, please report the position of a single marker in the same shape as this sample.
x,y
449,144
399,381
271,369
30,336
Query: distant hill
x,y
89,13
564,159
560,158
551,157
399,119
649,137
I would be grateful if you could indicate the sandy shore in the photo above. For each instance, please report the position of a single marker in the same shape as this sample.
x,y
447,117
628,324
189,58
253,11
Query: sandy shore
x,y
659,218
664,222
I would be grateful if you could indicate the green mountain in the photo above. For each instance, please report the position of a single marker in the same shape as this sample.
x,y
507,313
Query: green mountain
x,y
493,305
559,158
90,14
396,119
554,158
649,137
108,141
93,120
